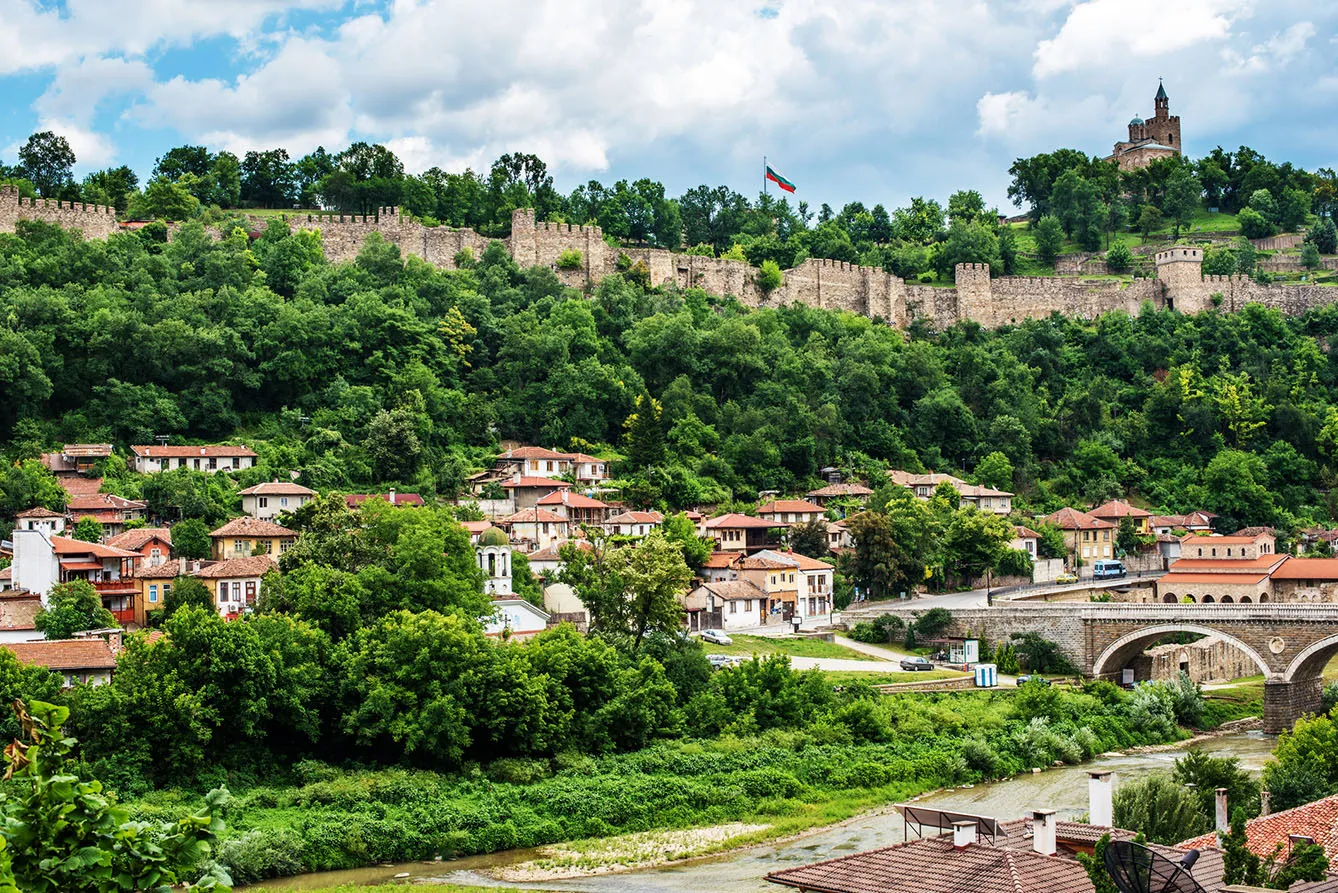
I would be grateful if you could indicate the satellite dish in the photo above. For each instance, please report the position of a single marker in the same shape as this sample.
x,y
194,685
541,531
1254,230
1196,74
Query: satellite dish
x,y
1137,869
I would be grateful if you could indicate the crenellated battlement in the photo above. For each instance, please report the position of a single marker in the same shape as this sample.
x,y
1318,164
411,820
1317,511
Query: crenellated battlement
x,y
818,282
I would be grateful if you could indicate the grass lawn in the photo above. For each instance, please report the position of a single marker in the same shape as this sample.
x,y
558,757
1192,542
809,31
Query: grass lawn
x,y
1244,697
880,677
746,646
281,212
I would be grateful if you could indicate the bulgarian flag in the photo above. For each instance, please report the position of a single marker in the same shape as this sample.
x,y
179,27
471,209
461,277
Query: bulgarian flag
x,y
778,179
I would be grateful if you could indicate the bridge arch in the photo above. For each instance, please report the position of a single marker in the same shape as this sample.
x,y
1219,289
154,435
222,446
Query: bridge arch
x,y
1309,664
1119,653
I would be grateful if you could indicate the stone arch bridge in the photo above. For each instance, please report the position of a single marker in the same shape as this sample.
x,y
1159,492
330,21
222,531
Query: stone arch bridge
x,y
1290,644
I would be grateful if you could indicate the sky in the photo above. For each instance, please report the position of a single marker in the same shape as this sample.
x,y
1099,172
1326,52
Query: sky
x,y
870,100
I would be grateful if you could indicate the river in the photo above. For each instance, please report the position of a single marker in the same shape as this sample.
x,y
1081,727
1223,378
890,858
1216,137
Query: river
x,y
1063,789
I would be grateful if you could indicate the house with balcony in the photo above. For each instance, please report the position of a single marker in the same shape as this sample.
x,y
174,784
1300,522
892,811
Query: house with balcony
x,y
791,511
246,536
1117,510
209,459
44,558
525,491
742,533
534,529
633,523
532,461
154,545
576,507
235,583
268,500
109,510
816,581
76,458
1086,539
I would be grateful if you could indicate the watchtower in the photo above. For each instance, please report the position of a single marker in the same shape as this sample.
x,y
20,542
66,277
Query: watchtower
x,y
1180,272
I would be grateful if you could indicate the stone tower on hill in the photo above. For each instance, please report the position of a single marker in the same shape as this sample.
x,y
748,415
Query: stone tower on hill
x,y
1157,137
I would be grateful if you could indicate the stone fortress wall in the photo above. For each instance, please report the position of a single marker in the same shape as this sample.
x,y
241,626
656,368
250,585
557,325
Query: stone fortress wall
x,y
1178,284
95,221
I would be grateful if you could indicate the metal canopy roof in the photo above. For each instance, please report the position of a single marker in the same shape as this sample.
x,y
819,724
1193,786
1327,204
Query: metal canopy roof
x,y
942,820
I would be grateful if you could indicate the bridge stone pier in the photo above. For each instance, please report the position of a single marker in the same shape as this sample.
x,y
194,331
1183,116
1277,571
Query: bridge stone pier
x,y
1290,644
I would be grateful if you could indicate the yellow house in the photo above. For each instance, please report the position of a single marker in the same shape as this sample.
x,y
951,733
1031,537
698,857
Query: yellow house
x,y
779,582
246,536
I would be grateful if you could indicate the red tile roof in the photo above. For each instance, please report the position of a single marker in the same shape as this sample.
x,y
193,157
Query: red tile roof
x,y
95,502
246,526
134,540
216,450
63,545
1072,519
572,500
534,516
835,490
1225,565
39,512
790,506
1317,820
721,560
550,552
1224,579
527,481
1118,508
65,654
277,488
78,485
735,520
1307,569
934,864
636,518
1026,533
18,610
533,452
250,566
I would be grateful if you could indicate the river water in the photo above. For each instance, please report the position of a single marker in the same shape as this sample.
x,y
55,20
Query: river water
x,y
1063,790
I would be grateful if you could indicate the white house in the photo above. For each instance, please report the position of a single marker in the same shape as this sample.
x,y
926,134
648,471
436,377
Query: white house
x,y
209,458
727,605
791,511
633,523
1025,540
515,617
89,661
266,501
816,583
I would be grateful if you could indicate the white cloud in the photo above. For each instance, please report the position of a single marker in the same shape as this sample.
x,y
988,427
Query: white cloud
x,y
1101,33
1276,52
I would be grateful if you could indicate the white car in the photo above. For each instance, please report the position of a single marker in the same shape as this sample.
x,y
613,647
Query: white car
x,y
716,637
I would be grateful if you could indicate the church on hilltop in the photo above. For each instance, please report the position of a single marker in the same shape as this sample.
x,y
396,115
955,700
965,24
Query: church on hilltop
x,y
1158,137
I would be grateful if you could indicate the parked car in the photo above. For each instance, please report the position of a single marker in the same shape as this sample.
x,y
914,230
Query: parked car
x,y
1067,578
716,637
916,663
720,661
1023,680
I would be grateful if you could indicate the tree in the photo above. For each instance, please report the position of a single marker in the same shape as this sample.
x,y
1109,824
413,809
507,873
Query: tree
x,y
1305,763
1324,235
1206,773
679,528
1253,225
1182,199
996,471
112,186
1119,258
1126,537
1159,809
1239,865
879,567
71,608
88,529
1310,258
164,200
769,277
969,242
1040,655
47,160
1049,239
1095,866
268,179
811,539
63,832
645,432
187,591
190,539
1149,220
657,577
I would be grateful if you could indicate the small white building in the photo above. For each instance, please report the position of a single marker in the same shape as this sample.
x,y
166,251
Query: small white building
x,y
633,523
266,501
515,618
209,458
791,511
727,605
1025,540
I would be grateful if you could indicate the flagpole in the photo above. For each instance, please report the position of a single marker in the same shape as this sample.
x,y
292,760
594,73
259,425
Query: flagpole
x,y
764,175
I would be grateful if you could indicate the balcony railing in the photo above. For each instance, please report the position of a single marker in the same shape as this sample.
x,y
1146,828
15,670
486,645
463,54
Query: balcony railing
x,y
125,616
105,587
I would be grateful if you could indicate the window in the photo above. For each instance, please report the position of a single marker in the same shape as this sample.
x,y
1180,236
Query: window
x,y
1086,552
284,545
236,545
283,502
1214,553
733,606
1105,536
153,593
155,553
167,587
213,463
748,606
262,502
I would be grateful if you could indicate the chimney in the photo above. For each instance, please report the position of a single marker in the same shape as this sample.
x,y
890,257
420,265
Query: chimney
x,y
1265,804
1223,822
1043,831
201,451
181,565
391,497
1100,799
963,834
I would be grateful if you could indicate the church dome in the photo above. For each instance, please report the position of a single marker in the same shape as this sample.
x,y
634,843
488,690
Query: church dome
x,y
1136,122
494,536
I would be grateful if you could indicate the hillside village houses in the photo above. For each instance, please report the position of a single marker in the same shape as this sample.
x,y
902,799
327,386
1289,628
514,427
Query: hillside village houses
x,y
987,499
790,511
209,458
245,536
111,511
266,501
636,524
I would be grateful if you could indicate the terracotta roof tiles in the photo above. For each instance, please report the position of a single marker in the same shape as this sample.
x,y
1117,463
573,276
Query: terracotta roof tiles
x,y
246,526
215,450
250,566
64,654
